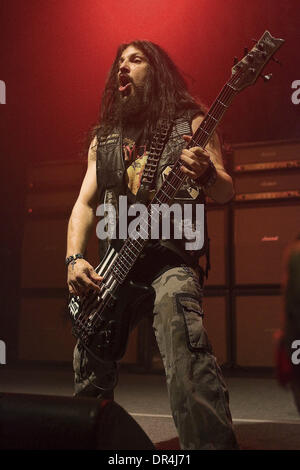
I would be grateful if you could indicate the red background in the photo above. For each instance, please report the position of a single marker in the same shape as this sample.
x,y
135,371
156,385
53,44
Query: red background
x,y
55,55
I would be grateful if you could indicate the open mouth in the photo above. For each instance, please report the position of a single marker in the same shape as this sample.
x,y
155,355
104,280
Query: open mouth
x,y
125,84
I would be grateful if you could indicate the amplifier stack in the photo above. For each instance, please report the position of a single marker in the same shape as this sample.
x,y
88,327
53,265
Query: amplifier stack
x,y
243,302
267,171
265,218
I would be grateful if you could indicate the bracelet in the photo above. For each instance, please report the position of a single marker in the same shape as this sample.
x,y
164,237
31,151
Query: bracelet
x,y
208,179
73,258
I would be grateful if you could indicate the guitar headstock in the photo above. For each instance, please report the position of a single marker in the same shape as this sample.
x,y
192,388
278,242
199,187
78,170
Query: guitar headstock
x,y
247,70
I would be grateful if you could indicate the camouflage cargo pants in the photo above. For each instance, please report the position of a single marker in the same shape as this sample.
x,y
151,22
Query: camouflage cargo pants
x,y
197,392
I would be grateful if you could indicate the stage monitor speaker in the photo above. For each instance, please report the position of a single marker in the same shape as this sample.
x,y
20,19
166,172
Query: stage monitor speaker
x,y
45,332
215,325
40,422
260,235
217,227
257,318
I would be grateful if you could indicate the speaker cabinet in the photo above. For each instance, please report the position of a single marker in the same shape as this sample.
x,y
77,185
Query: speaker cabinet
x,y
49,203
258,185
258,152
44,252
257,318
45,330
56,174
217,228
215,325
260,236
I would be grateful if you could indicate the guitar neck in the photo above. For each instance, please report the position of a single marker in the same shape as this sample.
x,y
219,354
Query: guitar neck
x,y
213,117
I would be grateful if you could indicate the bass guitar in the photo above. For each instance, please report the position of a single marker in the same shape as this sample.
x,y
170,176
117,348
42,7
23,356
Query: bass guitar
x,y
101,321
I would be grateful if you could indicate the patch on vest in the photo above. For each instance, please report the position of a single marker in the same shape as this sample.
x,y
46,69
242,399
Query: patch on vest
x,y
110,139
188,185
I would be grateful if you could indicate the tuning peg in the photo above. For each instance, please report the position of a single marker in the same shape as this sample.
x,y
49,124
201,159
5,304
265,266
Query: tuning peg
x,y
246,50
235,60
260,45
266,78
276,60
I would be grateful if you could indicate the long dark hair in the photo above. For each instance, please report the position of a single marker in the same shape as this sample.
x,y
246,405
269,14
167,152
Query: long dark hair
x,y
168,88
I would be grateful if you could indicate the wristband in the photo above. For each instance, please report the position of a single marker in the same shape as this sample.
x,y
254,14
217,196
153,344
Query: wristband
x,y
208,179
73,258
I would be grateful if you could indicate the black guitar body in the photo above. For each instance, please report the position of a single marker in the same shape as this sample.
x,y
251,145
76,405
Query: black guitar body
x,y
133,302
102,322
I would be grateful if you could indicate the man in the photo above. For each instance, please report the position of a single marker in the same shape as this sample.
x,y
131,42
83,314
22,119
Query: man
x,y
144,89
287,350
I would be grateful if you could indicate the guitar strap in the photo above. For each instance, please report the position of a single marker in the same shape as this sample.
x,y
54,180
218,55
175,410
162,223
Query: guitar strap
x,y
156,149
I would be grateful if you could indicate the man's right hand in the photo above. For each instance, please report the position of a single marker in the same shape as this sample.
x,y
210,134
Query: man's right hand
x,y
82,278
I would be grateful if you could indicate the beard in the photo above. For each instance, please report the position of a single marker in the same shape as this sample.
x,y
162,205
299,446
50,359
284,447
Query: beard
x,y
133,108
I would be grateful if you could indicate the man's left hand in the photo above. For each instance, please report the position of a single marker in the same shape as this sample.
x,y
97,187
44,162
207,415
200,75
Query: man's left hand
x,y
196,158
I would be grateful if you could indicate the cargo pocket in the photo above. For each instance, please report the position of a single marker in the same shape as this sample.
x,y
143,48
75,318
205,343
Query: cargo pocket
x,y
191,310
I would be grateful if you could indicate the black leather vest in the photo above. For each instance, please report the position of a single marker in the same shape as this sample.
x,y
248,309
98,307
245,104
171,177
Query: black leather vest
x,y
111,172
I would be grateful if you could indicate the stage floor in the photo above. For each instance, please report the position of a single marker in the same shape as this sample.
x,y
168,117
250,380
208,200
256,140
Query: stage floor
x,y
264,414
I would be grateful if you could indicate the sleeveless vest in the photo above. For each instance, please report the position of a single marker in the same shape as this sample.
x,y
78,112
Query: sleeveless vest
x,y
110,177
